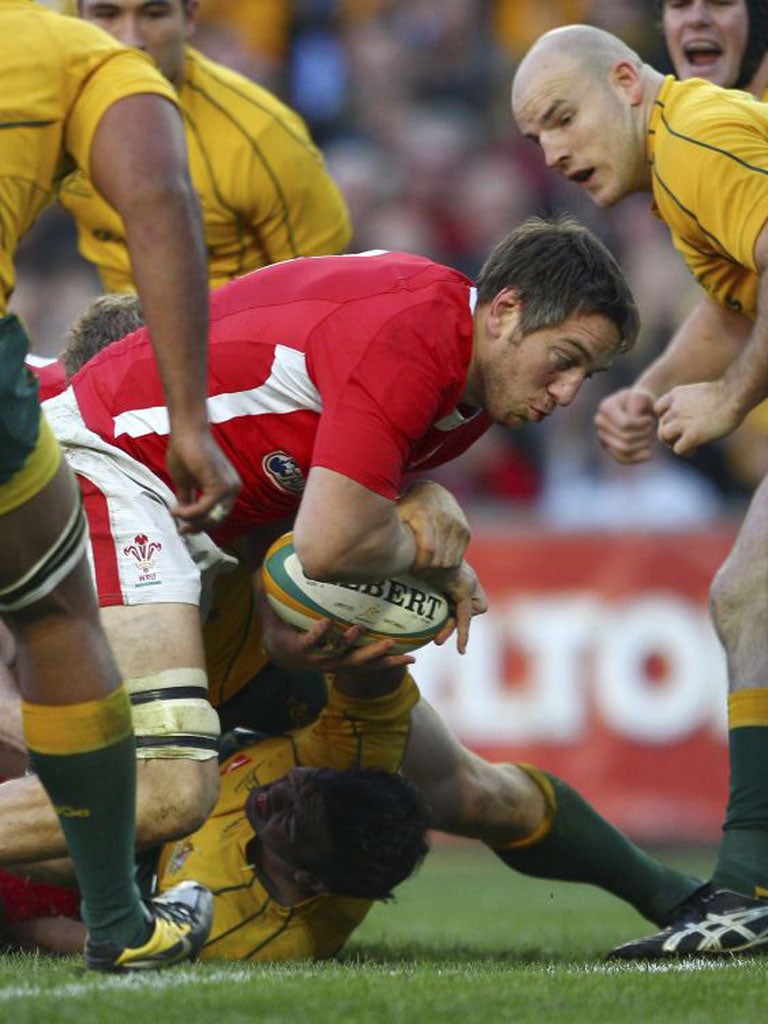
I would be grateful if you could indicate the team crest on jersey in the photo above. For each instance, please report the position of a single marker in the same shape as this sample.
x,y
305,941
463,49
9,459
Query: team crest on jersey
x,y
143,551
180,854
283,470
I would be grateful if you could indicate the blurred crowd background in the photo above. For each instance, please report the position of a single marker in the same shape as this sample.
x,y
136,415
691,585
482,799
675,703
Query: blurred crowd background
x,y
409,100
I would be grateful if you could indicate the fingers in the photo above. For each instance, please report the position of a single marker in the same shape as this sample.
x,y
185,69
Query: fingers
x,y
197,515
626,426
463,619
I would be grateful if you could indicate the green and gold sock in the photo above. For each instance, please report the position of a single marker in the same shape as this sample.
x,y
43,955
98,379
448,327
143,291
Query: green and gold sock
x,y
742,862
576,844
85,757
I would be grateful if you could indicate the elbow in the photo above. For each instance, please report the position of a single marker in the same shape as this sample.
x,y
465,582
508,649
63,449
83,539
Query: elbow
x,y
319,559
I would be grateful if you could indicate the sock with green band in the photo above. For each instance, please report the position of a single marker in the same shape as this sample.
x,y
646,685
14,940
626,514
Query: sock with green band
x,y
581,846
742,862
85,757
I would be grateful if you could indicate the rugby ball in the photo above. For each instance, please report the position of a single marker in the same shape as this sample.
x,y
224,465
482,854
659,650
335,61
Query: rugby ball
x,y
403,608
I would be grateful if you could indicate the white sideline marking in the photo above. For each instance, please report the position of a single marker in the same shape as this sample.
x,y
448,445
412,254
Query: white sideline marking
x,y
214,976
145,980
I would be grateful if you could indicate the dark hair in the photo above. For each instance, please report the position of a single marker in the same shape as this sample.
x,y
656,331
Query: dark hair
x,y
757,40
560,269
378,822
108,318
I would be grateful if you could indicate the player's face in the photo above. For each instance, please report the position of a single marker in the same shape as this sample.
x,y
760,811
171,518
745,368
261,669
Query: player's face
x,y
158,27
706,38
289,817
524,378
585,129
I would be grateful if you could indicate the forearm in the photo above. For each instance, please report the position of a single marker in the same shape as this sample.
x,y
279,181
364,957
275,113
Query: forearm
x,y
703,347
346,532
138,162
746,379
385,550
169,268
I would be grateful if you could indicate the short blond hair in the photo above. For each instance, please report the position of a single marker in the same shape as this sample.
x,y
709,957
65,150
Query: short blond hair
x,y
106,319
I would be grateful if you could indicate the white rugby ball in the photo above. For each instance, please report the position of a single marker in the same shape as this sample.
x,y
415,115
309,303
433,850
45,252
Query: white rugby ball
x,y
403,608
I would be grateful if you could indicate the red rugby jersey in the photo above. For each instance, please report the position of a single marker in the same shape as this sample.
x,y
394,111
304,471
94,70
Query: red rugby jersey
x,y
355,363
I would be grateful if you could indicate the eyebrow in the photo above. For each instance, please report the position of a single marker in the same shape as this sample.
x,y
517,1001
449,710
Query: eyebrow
x,y
601,368
546,117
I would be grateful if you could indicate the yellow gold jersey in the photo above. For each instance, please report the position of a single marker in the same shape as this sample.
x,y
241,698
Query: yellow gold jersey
x,y
234,655
59,77
248,923
262,184
708,148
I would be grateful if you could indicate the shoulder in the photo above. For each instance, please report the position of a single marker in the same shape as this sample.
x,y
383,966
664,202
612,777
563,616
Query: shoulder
x,y
701,112
210,86
73,39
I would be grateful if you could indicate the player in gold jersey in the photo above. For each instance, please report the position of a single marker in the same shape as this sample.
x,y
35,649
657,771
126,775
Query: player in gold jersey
x,y
725,42
263,188
72,97
703,152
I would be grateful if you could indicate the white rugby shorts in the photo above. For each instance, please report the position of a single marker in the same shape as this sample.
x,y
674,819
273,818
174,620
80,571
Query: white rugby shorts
x,y
136,553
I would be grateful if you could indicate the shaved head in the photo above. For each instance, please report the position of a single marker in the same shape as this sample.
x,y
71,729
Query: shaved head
x,y
577,87
577,47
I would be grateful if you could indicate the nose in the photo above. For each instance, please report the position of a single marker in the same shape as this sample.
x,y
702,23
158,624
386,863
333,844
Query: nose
x,y
565,387
130,34
555,154
699,12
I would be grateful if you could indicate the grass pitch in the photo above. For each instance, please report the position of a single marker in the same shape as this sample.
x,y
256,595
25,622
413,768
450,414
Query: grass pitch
x,y
466,941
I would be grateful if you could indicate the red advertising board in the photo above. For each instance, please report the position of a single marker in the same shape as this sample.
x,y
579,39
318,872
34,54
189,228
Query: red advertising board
x,y
597,661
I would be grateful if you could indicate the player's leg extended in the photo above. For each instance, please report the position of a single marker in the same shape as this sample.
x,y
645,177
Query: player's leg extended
x,y
76,715
740,611
536,823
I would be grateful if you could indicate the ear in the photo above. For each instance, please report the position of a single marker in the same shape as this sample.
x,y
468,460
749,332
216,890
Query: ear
x,y
504,305
190,13
308,884
626,78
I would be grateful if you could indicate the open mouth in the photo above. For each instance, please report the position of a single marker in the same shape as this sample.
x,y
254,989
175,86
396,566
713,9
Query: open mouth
x,y
703,53
581,177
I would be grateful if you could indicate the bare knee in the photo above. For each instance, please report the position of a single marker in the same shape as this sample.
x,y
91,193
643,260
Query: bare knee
x,y
174,798
497,803
725,602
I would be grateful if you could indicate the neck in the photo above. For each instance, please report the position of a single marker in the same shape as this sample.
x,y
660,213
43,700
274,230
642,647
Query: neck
x,y
472,394
759,84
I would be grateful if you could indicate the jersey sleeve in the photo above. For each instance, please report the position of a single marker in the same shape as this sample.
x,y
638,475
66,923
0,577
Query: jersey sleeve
x,y
107,76
293,205
360,732
716,178
404,382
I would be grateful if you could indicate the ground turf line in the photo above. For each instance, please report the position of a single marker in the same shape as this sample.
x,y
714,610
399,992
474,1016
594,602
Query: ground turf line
x,y
159,981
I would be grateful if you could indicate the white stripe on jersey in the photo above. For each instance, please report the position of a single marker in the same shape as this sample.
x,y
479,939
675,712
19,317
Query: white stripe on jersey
x,y
287,389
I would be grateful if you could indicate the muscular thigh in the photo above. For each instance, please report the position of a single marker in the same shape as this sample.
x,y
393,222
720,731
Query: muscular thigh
x,y
146,639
